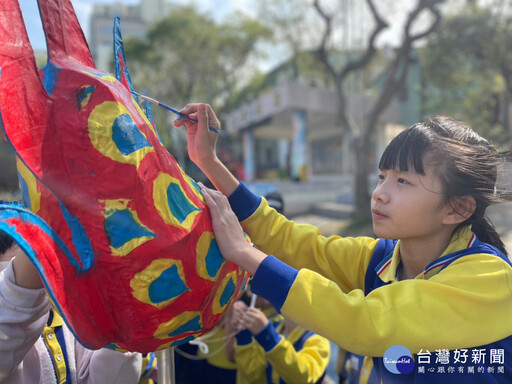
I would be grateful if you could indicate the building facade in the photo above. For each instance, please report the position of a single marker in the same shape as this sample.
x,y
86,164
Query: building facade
x,y
135,20
291,129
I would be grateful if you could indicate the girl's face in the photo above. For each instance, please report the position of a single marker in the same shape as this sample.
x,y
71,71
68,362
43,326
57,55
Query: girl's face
x,y
407,205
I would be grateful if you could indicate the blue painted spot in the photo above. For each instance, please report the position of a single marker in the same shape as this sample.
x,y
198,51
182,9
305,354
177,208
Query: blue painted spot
x,y
83,93
98,74
178,203
213,259
80,239
121,227
191,326
167,286
196,186
51,77
127,136
112,346
229,291
185,340
29,217
25,195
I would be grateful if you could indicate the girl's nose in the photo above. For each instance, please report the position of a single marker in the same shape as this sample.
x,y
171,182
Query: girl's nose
x,y
380,194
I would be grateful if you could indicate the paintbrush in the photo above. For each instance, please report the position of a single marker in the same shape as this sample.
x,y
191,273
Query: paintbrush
x,y
156,102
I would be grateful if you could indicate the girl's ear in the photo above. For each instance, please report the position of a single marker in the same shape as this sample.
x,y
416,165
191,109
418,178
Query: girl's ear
x,y
461,210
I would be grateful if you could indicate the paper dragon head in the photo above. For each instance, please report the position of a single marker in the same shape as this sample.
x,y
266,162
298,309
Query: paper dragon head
x,y
119,233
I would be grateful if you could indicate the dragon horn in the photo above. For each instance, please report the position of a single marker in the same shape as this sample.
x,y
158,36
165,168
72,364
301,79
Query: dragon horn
x,y
64,36
24,104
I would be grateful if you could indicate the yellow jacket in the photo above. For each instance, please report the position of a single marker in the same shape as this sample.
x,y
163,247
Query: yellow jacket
x,y
301,357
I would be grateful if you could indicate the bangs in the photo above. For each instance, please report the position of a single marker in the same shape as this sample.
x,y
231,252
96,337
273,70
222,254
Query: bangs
x,y
405,152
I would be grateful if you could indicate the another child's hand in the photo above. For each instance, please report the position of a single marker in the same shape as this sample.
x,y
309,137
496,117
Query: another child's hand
x,y
254,320
201,141
237,311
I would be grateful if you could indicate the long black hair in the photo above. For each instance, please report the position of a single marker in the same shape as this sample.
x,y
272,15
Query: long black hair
x,y
466,163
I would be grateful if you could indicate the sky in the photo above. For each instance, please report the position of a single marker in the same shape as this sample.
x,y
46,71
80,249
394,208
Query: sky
x,y
83,8
217,8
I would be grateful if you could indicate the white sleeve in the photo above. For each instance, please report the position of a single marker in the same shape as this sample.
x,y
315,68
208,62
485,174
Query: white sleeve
x,y
107,366
23,316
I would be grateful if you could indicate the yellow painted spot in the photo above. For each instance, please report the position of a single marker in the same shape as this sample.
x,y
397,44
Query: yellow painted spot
x,y
171,201
103,76
28,187
209,260
162,282
101,133
192,184
185,323
224,293
123,227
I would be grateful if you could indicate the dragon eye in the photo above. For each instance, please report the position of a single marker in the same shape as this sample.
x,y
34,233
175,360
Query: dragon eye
x,y
114,133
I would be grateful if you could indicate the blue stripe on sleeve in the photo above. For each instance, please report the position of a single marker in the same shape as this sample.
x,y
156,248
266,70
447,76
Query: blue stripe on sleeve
x,y
243,337
243,202
268,338
272,281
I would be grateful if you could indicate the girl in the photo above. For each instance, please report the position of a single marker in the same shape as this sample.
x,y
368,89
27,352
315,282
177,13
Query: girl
x,y
437,285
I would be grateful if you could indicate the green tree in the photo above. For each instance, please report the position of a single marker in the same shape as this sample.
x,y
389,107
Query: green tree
x,y
188,56
468,68
394,77
343,36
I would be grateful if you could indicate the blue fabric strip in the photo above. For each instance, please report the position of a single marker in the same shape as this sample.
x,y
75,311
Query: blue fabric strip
x,y
272,281
243,337
243,202
268,338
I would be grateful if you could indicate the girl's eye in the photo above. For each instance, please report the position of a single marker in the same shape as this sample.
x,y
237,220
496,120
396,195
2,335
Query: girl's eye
x,y
402,181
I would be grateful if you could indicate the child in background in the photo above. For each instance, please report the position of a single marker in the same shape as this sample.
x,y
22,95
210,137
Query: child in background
x,y
277,352
438,279
237,311
217,368
35,344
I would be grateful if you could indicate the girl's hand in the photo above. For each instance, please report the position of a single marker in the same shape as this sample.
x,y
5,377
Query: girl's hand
x,y
229,234
254,320
201,142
